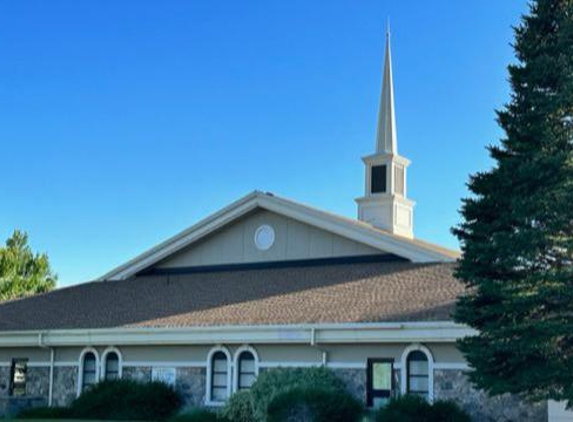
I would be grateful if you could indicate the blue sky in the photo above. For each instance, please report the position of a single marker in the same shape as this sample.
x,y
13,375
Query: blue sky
x,y
123,122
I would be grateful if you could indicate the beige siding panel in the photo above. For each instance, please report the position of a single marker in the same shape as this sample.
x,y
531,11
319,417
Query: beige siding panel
x,y
360,353
289,353
30,353
446,353
165,353
72,354
234,244
338,353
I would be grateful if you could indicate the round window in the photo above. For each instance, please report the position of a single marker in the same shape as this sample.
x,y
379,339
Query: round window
x,y
264,237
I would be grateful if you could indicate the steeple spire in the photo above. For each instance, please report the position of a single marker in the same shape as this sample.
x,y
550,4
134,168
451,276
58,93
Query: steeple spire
x,y
385,203
386,134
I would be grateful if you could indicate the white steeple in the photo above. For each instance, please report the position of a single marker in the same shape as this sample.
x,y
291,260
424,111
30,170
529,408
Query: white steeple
x,y
384,204
386,134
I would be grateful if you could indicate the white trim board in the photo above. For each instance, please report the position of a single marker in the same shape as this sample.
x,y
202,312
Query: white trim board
x,y
165,364
293,364
452,365
262,364
358,231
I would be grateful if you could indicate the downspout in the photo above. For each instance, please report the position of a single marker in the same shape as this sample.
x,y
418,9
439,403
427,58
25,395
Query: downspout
x,y
314,344
51,377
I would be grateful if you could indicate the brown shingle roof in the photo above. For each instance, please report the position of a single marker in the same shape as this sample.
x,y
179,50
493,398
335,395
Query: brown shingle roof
x,y
364,292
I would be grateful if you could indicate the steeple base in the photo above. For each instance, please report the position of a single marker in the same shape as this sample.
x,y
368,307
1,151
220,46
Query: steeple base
x,y
392,213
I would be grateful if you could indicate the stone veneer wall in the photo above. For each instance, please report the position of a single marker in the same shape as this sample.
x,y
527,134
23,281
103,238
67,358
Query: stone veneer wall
x,y
190,382
137,373
37,387
354,380
4,380
454,385
38,381
65,385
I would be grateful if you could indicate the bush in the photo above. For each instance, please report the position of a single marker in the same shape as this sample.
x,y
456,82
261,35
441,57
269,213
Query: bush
x,y
416,409
314,405
448,411
239,408
198,415
45,413
127,400
273,382
405,409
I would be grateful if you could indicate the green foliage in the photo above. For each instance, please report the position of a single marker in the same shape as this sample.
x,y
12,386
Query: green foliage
x,y
406,408
448,411
45,413
23,273
126,400
517,228
240,407
410,408
314,405
199,415
271,383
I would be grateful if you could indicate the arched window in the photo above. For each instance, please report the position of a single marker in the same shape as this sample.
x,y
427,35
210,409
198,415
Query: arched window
x,y
417,371
418,374
246,370
111,366
219,376
89,370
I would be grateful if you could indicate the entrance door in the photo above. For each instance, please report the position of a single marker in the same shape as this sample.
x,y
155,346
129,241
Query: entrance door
x,y
379,381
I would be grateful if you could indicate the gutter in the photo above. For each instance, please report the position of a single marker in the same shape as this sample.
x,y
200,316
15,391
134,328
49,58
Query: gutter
x,y
315,345
410,332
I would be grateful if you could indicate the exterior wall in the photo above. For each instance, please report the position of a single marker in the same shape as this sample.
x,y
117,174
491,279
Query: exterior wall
x,y
65,385
191,384
38,382
354,380
137,373
348,361
234,244
454,385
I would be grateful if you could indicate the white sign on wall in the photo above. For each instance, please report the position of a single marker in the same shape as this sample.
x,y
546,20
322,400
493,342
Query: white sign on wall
x,y
163,374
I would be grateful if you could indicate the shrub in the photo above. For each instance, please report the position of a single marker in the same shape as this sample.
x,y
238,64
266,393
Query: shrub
x,y
315,405
127,400
239,408
198,415
410,408
405,409
273,382
448,411
45,413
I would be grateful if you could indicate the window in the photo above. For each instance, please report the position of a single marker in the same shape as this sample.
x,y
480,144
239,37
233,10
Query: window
x,y
247,370
219,377
399,185
418,374
379,381
89,370
378,179
18,377
111,366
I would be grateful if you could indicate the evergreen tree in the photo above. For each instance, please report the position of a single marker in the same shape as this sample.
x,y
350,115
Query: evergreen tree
x,y
23,273
517,227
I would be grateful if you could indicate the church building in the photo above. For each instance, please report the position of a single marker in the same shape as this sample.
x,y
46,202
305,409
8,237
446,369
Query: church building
x,y
265,282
